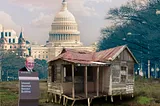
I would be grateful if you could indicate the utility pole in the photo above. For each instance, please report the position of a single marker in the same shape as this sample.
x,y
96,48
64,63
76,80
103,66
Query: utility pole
x,y
7,75
149,72
155,73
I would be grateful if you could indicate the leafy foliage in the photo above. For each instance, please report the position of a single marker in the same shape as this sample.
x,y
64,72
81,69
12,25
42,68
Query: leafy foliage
x,y
136,25
41,66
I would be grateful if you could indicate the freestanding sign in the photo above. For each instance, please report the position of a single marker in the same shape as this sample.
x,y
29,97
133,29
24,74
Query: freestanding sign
x,y
28,88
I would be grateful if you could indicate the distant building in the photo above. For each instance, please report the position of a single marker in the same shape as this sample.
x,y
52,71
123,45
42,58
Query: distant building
x,y
9,41
64,33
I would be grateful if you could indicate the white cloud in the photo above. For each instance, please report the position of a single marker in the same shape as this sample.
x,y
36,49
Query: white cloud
x,y
42,21
75,5
45,20
89,26
81,8
7,22
33,5
101,1
32,8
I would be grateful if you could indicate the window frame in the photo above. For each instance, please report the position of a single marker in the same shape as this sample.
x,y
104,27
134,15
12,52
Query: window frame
x,y
126,73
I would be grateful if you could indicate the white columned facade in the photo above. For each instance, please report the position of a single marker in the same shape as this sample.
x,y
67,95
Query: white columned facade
x,y
64,28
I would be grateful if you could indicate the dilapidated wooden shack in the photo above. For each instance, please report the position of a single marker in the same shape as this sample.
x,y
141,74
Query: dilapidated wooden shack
x,y
78,75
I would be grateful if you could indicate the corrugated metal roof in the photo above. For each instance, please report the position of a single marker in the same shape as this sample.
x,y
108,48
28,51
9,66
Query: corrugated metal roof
x,y
75,56
85,57
106,55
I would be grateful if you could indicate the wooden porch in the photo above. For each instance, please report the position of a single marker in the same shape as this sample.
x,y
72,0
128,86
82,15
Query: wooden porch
x,y
81,96
84,90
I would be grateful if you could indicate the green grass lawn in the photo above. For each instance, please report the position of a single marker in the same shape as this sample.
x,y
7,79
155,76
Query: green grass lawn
x,y
147,93
8,94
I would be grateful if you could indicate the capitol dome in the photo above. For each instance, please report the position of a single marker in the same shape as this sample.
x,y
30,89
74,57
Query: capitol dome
x,y
64,16
64,27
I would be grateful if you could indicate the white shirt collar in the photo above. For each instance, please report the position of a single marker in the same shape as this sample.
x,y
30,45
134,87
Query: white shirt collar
x,y
28,70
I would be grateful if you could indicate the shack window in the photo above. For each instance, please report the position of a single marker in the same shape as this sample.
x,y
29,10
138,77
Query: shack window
x,y
123,74
116,73
130,72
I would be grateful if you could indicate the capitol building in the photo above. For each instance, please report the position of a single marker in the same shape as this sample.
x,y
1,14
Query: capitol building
x,y
64,33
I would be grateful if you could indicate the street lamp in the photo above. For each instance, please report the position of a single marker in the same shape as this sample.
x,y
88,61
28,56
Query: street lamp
x,y
152,70
157,12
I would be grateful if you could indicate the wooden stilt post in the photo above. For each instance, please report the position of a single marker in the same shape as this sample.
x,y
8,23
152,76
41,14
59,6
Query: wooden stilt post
x,y
52,97
55,98
60,96
132,95
85,82
111,98
97,85
89,102
73,92
66,102
106,98
47,97
63,100
73,103
120,96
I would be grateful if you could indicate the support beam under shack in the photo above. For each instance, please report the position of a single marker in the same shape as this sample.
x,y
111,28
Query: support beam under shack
x,y
73,91
85,81
97,85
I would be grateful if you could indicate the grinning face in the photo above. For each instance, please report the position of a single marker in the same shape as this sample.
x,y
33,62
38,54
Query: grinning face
x,y
29,63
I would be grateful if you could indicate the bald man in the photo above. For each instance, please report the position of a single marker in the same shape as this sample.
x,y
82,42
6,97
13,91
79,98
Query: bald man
x,y
29,65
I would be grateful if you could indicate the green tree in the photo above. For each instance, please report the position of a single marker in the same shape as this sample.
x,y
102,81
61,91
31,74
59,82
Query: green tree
x,y
136,25
11,63
41,66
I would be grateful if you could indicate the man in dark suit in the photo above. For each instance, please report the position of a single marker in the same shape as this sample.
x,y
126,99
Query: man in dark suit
x,y
29,65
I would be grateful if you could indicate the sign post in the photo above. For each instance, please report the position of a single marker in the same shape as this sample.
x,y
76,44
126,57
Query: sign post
x,y
28,88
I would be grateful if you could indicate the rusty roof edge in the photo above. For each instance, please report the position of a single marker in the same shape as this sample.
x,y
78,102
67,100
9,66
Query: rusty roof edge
x,y
124,47
93,53
56,58
116,54
132,55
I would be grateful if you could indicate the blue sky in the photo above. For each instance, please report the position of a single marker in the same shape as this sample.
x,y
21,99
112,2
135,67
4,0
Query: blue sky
x,y
36,17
